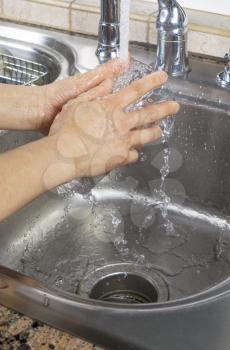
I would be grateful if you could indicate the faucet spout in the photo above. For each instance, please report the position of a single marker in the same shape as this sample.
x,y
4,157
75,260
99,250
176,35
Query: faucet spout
x,y
109,30
172,28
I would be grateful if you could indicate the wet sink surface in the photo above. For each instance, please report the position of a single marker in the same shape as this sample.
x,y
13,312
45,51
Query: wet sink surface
x,y
66,235
75,237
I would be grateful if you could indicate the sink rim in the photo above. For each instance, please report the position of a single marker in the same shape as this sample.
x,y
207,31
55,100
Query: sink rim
x,y
109,324
22,285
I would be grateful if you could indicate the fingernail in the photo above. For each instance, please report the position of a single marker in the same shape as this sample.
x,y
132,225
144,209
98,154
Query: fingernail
x,y
161,74
176,106
158,132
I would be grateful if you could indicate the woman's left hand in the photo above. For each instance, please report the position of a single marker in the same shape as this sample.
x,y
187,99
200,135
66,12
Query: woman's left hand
x,y
34,108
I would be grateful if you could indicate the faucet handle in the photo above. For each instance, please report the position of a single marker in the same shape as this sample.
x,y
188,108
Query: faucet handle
x,y
227,58
223,78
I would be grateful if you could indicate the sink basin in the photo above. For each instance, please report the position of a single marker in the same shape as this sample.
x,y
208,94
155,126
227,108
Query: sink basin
x,y
98,257
65,235
57,57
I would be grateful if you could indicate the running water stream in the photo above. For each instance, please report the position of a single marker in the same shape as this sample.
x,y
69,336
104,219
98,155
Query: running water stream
x,y
167,126
124,29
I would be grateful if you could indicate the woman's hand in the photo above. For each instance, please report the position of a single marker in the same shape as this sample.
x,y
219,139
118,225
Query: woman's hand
x,y
94,135
34,108
91,135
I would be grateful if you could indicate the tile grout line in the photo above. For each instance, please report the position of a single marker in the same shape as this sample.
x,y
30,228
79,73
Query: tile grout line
x,y
51,3
1,7
71,15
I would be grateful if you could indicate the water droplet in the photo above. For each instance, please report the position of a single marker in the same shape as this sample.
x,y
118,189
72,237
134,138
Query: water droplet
x,y
46,301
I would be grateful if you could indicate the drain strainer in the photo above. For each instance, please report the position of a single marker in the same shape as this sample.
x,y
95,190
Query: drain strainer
x,y
125,288
125,284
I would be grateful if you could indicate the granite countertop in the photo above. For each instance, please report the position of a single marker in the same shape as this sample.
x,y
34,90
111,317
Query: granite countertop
x,y
18,332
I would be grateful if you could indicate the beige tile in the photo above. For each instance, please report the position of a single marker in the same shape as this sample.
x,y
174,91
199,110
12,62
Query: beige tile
x,y
139,31
208,44
1,7
84,21
37,13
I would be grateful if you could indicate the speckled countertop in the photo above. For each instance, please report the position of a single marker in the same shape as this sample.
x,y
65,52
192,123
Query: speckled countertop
x,y
18,332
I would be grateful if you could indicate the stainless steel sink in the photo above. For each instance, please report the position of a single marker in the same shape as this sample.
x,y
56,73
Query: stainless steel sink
x,y
99,261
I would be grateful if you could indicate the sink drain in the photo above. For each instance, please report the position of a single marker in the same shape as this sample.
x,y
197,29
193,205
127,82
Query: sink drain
x,y
125,288
125,284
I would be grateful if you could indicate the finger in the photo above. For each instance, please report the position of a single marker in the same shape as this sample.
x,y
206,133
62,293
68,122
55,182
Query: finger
x,y
64,90
114,67
133,156
140,138
152,114
139,88
102,90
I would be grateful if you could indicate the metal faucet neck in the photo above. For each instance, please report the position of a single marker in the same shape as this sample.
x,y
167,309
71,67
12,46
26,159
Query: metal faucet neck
x,y
172,28
109,30
223,78
172,16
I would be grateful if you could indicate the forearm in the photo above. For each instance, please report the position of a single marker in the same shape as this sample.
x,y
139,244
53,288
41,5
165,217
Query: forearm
x,y
20,107
29,171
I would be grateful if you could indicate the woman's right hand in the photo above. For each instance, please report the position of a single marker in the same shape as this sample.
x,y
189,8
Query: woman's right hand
x,y
94,135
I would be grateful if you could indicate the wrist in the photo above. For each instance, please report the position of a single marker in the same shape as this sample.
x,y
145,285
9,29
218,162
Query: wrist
x,y
22,107
58,169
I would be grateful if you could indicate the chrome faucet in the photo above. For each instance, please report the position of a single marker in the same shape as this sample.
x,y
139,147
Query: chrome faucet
x,y
172,54
109,30
223,78
172,28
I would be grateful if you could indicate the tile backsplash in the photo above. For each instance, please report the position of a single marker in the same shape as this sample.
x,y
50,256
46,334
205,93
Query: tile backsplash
x,y
208,33
220,6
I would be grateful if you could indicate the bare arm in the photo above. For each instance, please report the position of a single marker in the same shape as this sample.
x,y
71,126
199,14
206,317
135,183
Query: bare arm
x,y
91,135
21,174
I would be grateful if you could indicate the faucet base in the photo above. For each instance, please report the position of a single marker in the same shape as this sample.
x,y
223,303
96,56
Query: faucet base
x,y
108,41
105,53
172,54
223,78
172,27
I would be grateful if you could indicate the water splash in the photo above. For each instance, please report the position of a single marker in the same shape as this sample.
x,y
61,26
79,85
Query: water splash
x,y
167,129
137,70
